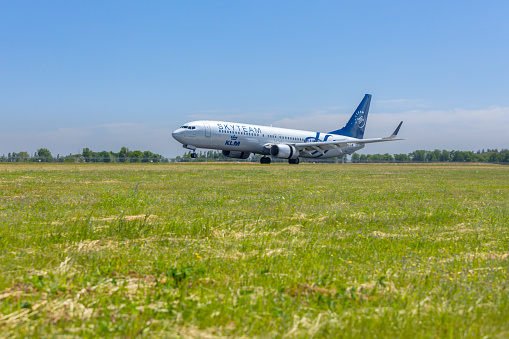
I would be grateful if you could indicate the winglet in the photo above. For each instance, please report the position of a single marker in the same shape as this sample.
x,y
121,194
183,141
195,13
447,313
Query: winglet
x,y
393,135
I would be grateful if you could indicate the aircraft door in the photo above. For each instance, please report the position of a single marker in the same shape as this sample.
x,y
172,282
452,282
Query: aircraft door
x,y
207,130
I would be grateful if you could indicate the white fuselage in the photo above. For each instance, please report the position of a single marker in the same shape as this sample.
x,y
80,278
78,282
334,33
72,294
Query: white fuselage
x,y
231,136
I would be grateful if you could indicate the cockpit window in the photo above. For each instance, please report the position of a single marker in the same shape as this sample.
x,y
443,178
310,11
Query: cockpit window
x,y
188,127
184,126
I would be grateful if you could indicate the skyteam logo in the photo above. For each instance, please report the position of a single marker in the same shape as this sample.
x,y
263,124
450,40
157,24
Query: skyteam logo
x,y
312,139
317,138
361,122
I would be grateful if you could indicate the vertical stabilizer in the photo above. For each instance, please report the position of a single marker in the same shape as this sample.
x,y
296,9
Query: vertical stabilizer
x,y
357,123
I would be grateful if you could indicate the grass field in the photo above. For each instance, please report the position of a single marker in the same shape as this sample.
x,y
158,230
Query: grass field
x,y
212,250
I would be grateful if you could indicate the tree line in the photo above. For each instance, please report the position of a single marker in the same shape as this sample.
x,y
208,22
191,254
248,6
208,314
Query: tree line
x,y
87,155
489,155
126,156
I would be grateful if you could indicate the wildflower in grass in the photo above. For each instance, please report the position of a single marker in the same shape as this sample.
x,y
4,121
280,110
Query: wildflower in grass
x,y
197,256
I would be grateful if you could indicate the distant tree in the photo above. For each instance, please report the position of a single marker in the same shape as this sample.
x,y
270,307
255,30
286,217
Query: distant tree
x,y
43,154
458,156
444,156
124,154
387,157
149,156
432,156
69,158
495,157
470,156
87,154
505,157
355,157
374,157
104,156
402,157
23,156
419,155
136,156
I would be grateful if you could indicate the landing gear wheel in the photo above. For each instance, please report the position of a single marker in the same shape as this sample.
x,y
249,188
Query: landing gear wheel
x,y
294,161
194,155
265,160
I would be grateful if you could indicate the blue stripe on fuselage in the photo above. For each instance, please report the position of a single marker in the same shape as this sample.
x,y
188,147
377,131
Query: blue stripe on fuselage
x,y
317,138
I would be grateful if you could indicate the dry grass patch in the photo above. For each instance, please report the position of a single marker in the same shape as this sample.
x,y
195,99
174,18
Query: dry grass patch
x,y
378,234
93,246
469,257
125,218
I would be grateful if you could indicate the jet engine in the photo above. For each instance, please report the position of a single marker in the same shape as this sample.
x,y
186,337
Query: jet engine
x,y
284,151
236,154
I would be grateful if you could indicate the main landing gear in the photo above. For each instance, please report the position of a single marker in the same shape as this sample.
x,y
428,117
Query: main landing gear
x,y
194,155
265,160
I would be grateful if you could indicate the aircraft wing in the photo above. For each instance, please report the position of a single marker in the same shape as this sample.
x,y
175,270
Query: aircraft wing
x,y
322,146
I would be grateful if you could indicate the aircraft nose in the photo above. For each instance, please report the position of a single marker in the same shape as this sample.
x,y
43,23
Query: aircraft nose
x,y
177,134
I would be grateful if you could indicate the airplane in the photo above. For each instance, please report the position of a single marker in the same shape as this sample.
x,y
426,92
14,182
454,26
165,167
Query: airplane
x,y
237,140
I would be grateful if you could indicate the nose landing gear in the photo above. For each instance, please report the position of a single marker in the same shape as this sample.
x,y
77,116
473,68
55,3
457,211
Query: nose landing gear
x,y
192,148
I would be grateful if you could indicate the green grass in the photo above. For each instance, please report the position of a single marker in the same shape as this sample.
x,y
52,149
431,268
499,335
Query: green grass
x,y
249,250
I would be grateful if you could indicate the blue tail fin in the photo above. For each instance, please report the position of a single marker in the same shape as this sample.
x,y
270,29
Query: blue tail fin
x,y
357,123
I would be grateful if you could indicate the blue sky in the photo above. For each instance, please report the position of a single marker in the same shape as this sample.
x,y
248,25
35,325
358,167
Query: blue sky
x,y
103,75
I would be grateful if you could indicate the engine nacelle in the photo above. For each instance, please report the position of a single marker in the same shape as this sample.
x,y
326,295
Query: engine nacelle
x,y
236,154
284,151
